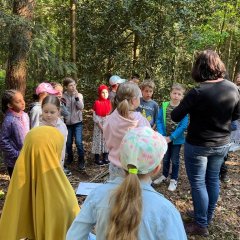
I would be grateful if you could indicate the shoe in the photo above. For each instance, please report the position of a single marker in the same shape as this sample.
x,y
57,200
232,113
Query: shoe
x,y
224,178
81,163
160,180
69,160
67,172
99,162
194,229
190,213
105,159
173,185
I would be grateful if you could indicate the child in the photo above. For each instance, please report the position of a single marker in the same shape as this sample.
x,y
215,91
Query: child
x,y
40,202
14,128
148,107
135,78
174,134
75,105
123,118
42,91
114,82
50,117
129,208
102,107
63,109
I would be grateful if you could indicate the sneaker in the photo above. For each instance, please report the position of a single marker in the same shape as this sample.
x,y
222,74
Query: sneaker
x,y
160,180
224,178
194,229
173,185
67,172
99,162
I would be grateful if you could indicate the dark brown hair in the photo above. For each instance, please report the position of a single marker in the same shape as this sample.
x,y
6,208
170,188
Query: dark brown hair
x,y
7,98
51,99
68,80
208,66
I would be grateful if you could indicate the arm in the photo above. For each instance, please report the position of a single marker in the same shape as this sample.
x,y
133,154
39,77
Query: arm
x,y
185,106
35,116
155,116
182,126
79,101
160,123
9,130
172,227
97,120
64,110
83,223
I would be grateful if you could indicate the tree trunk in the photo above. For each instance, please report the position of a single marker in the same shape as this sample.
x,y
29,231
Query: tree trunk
x,y
19,45
73,34
135,49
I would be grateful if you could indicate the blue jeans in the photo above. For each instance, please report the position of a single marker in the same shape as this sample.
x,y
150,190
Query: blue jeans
x,y
172,155
75,131
203,166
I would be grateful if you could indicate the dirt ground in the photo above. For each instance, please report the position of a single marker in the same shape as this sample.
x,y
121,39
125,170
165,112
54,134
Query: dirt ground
x,y
226,224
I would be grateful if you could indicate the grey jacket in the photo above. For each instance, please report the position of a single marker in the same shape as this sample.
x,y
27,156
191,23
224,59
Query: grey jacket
x,y
74,107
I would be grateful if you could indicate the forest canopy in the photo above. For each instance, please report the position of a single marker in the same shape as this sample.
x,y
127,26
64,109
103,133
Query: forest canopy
x,y
93,39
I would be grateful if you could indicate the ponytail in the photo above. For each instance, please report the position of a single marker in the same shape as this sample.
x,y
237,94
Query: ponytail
x,y
126,210
122,101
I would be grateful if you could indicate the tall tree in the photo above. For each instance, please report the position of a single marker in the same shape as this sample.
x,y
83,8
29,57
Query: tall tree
x,y
73,34
19,45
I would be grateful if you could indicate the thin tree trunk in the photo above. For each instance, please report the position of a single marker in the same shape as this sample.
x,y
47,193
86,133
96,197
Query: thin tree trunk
x,y
73,34
19,45
135,49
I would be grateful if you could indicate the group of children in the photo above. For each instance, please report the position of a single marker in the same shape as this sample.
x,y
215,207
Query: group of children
x,y
126,106
52,108
127,123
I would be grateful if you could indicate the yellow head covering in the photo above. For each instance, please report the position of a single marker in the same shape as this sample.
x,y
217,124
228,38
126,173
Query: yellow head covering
x,y
40,202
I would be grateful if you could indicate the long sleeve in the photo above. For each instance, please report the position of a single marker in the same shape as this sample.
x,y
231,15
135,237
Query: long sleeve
x,y
182,126
160,123
79,102
6,143
83,223
185,106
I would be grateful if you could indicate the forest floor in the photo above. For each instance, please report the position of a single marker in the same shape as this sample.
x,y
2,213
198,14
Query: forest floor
x,y
226,224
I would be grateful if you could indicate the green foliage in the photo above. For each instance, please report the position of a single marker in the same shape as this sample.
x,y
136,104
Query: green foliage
x,y
165,36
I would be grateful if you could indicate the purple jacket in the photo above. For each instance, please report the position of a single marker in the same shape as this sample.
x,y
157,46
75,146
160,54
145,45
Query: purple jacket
x,y
14,129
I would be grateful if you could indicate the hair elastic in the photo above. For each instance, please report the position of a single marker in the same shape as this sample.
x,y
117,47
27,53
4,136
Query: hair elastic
x,y
133,170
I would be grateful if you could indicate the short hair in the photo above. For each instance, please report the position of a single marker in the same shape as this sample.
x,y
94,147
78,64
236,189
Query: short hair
x,y
135,75
147,83
208,66
178,86
67,81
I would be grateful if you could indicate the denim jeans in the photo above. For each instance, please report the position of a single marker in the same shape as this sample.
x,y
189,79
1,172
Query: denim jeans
x,y
203,166
172,155
75,131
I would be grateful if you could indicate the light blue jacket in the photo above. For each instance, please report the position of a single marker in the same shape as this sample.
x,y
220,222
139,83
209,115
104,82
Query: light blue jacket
x,y
177,136
160,219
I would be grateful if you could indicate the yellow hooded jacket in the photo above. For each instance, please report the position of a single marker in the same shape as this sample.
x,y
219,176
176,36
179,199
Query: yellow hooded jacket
x,y
40,202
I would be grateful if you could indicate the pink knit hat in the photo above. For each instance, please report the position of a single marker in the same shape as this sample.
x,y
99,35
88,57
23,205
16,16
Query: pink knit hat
x,y
45,87
143,148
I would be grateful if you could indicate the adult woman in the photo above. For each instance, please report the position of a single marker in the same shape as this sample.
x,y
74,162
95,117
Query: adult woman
x,y
211,106
40,202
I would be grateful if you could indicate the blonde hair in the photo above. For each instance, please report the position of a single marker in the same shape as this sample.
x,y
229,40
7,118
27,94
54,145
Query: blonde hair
x,y
178,86
147,83
125,93
126,210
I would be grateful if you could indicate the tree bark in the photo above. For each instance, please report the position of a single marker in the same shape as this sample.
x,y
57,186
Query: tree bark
x,y
19,45
73,34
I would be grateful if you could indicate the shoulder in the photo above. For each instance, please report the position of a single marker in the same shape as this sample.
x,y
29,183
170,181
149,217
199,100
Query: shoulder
x,y
156,202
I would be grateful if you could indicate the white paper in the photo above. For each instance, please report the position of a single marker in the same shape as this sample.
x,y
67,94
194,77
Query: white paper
x,y
84,188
